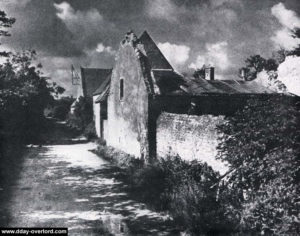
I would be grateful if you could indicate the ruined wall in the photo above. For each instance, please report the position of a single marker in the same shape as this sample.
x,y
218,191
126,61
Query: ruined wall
x,y
127,117
189,136
96,110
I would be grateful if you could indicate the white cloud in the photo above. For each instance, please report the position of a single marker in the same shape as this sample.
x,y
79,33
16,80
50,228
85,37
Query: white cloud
x,y
216,55
289,21
86,26
6,4
101,48
200,61
284,39
165,9
77,21
287,18
177,55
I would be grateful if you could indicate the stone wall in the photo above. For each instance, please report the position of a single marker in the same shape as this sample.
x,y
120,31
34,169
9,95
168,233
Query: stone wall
x,y
128,117
189,136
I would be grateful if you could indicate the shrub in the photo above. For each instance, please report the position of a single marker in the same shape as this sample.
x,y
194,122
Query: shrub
x,y
90,131
188,190
82,115
261,145
61,108
24,94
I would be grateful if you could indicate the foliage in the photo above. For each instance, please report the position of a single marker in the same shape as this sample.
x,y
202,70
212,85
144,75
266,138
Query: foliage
x,y
256,64
261,145
185,189
279,55
5,22
199,73
90,131
82,115
295,51
24,94
60,108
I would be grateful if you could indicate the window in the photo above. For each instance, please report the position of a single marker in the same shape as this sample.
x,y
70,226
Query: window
x,y
121,89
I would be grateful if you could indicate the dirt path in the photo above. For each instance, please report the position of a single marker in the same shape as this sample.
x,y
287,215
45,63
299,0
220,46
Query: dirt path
x,y
68,186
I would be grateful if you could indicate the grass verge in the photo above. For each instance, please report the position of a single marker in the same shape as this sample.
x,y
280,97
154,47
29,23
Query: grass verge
x,y
186,190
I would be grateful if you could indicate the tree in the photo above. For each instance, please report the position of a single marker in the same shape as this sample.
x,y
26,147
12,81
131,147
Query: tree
x,y
199,73
261,145
280,55
83,114
5,22
271,65
60,108
256,64
296,35
24,94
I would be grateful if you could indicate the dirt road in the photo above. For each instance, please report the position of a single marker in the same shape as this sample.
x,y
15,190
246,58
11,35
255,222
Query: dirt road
x,y
69,186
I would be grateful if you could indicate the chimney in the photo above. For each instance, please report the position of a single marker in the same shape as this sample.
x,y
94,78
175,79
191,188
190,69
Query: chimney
x,y
243,73
130,38
209,73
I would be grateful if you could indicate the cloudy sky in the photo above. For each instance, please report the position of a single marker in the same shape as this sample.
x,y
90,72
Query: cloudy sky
x,y
190,33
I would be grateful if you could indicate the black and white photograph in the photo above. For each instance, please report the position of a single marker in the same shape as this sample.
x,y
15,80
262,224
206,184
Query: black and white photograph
x,y
150,117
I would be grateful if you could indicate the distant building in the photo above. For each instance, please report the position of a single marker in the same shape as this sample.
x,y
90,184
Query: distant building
x,y
149,110
90,79
100,107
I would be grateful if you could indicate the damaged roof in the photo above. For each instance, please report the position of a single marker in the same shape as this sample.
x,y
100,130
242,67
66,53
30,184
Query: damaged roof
x,y
172,83
166,81
92,78
200,86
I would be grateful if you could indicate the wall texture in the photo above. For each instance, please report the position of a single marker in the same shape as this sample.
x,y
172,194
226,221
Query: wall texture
x,y
189,136
96,110
128,117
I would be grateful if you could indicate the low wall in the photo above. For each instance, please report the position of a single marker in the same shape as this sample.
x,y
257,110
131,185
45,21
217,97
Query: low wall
x,y
191,137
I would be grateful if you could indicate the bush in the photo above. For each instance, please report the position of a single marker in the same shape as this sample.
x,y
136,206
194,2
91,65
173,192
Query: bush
x,y
61,108
24,94
90,131
82,115
261,145
188,191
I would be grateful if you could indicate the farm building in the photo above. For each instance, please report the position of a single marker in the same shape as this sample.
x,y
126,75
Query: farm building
x,y
88,81
147,109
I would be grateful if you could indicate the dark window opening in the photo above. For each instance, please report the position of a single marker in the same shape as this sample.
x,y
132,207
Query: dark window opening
x,y
121,89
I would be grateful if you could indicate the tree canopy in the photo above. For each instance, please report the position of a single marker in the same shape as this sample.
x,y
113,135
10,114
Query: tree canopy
x,y
256,64
296,51
24,93
199,73
5,22
261,145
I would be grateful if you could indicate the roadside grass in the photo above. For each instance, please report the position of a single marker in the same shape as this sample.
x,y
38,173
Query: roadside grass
x,y
185,190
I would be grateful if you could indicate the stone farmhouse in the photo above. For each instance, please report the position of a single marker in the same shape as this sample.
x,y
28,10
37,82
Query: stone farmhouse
x,y
146,109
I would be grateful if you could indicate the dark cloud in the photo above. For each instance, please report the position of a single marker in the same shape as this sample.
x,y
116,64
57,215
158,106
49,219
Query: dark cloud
x,y
224,32
37,27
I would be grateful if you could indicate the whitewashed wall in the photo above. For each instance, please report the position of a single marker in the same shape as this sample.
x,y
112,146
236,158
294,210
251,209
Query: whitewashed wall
x,y
190,137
